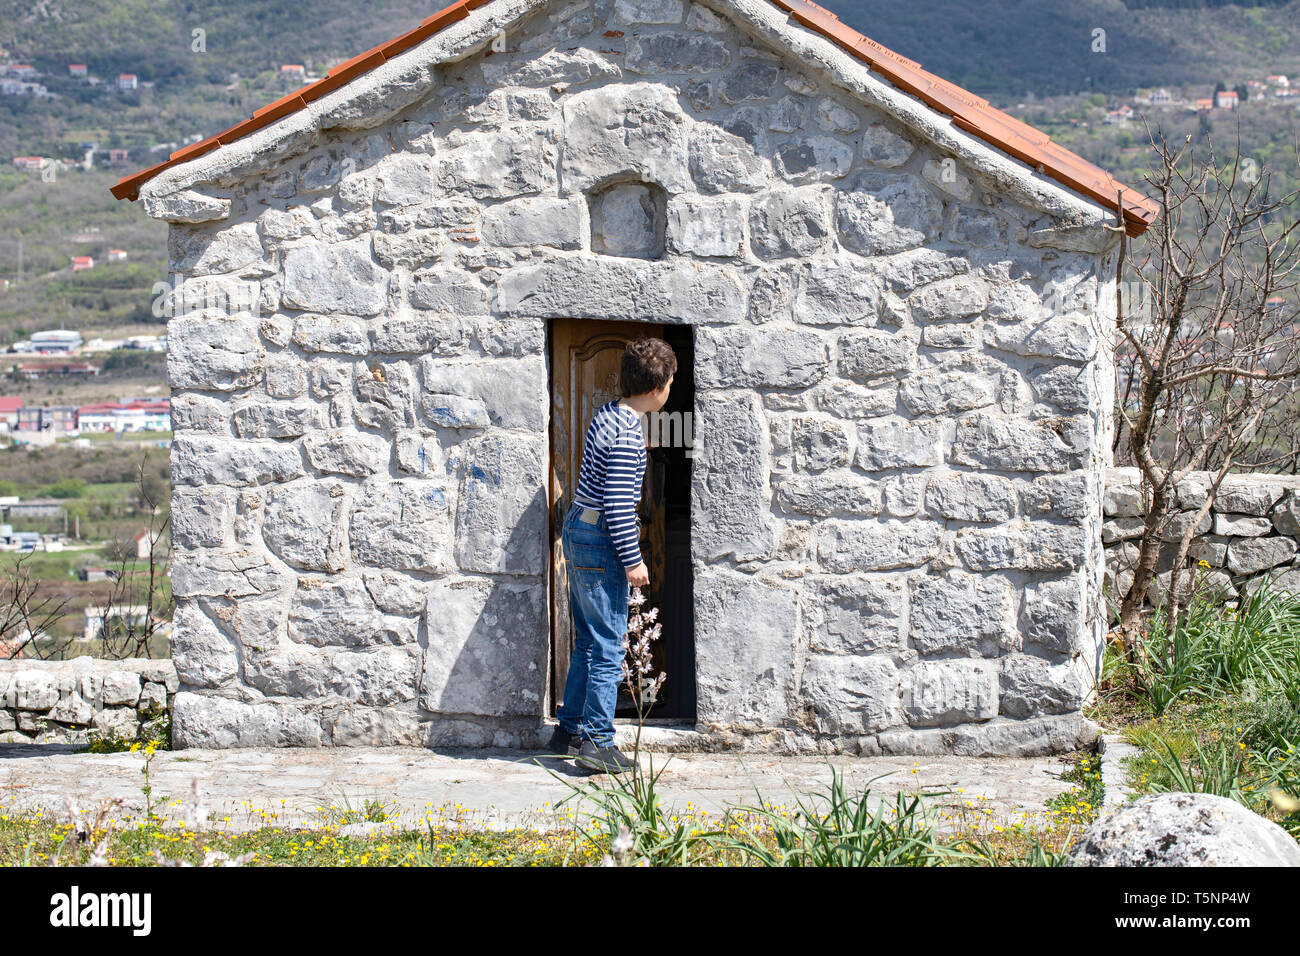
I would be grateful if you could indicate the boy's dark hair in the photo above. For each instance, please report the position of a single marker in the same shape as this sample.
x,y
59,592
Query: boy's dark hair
x,y
648,363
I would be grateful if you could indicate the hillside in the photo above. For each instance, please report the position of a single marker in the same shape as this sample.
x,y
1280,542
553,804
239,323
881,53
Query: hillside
x,y
1032,57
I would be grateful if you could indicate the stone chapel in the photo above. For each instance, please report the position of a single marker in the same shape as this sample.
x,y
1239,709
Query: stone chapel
x,y
872,506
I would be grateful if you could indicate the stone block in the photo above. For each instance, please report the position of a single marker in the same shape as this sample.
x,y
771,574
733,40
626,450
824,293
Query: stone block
x,y
895,443
513,392
610,287
486,651
207,460
305,524
883,147
827,495
1023,545
342,451
792,223
984,441
946,393
759,358
942,693
501,513
878,214
971,497
540,221
854,614
402,524
851,695
339,334
831,292
872,354
1253,555
705,227
963,613
222,354
340,612
630,128
954,298
847,546
334,278
722,162
729,478
1053,614
743,674
1242,526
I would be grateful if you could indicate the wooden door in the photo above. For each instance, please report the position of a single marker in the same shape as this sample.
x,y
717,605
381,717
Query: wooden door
x,y
586,357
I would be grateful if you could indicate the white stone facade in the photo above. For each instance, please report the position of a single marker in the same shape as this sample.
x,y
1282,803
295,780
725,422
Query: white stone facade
x,y
901,387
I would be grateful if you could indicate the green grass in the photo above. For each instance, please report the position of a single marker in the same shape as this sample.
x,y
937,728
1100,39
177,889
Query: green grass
x,y
1215,706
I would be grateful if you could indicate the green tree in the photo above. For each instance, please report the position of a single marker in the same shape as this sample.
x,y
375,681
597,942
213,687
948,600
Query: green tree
x,y
67,488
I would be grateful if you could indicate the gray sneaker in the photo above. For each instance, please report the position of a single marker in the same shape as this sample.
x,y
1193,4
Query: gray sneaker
x,y
603,759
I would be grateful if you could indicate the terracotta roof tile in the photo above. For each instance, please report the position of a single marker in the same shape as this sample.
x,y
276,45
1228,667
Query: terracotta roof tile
x,y
969,112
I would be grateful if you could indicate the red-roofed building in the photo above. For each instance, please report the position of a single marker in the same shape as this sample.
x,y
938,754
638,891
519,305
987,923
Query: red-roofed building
x,y
1226,99
9,406
127,81
132,416
78,70
862,264
82,262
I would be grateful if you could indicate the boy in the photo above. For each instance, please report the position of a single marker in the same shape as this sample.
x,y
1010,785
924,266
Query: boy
x,y
600,544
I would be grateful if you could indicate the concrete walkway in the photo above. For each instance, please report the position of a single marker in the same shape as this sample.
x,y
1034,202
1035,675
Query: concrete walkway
x,y
494,789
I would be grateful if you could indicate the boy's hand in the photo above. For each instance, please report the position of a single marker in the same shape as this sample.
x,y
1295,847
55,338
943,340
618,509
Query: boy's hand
x,y
639,576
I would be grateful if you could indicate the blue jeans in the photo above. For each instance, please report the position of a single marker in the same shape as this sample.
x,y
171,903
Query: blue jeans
x,y
598,601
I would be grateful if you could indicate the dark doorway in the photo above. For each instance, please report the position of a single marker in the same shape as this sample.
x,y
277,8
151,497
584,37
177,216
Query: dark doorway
x,y
585,357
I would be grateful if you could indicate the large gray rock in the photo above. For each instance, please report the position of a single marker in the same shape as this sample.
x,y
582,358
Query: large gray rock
x,y
1184,829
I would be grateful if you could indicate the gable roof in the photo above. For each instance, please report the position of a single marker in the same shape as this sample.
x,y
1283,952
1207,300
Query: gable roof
x,y
969,112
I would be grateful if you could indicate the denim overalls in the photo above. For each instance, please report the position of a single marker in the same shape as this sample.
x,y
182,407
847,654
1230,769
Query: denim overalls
x,y
598,601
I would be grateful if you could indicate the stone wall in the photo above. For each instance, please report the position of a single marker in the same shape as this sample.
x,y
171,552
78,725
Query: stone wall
x,y
896,499
1251,531
72,701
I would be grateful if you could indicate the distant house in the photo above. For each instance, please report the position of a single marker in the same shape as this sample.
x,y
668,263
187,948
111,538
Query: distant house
x,y
35,508
142,539
77,70
101,417
126,81
293,71
1161,96
9,406
1277,79
116,255
32,370
119,156
95,574
56,341
82,262
1204,104
47,418
29,162
1226,99
150,416
24,71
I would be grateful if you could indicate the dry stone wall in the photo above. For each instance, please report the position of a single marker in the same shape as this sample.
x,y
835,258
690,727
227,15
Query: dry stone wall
x,y
1251,533
896,500
77,700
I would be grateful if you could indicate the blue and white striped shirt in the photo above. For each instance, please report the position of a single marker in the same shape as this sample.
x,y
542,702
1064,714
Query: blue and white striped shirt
x,y
613,463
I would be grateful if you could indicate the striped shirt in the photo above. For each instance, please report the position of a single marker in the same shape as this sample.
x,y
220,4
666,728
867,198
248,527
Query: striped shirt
x,y
613,463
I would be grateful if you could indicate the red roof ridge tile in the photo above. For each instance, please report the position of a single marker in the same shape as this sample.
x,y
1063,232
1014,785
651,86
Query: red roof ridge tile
x,y
970,113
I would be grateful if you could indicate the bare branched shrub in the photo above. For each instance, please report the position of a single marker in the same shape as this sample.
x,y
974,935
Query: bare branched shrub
x,y
25,619
125,634
1205,355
